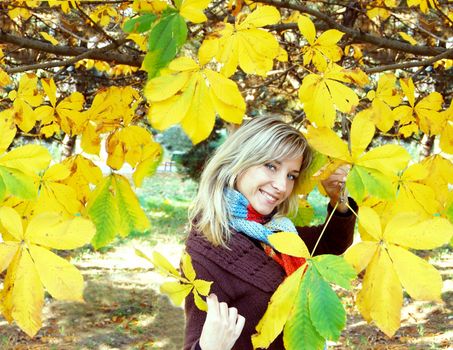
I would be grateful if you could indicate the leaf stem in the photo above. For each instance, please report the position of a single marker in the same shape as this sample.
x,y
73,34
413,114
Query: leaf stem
x,y
325,226
350,208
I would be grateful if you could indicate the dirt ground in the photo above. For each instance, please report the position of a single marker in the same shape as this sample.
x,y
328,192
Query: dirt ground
x,y
124,310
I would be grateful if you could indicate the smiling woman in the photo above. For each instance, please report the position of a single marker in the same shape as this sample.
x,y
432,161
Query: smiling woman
x,y
246,191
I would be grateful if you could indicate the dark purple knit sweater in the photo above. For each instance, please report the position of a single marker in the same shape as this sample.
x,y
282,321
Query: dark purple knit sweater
x,y
245,277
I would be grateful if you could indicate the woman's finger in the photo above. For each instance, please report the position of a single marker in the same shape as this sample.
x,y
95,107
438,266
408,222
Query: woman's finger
x,y
223,311
232,315
239,325
213,305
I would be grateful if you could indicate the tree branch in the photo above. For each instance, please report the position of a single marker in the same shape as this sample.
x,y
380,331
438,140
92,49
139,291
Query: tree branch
x,y
410,64
102,54
359,36
53,63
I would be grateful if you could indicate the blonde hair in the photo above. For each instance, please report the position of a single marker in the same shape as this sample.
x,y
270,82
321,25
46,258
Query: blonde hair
x,y
260,140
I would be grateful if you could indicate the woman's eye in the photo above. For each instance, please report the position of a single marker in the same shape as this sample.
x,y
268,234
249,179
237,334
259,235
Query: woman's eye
x,y
292,177
270,166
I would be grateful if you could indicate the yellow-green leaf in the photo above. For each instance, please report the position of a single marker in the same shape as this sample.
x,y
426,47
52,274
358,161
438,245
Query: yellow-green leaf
x,y
7,129
386,159
165,86
27,295
226,97
54,231
202,287
176,291
61,279
149,165
193,10
408,38
7,252
421,280
131,215
28,158
262,16
200,117
187,268
103,211
172,110
278,311
49,38
199,302
289,243
362,132
326,141
307,28
370,221
381,297
164,265
406,229
360,254
12,222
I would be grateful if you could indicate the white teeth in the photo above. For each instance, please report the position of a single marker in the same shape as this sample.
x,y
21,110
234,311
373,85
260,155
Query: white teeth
x,y
268,196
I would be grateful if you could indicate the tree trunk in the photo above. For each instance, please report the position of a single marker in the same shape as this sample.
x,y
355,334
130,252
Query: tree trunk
x,y
427,145
68,146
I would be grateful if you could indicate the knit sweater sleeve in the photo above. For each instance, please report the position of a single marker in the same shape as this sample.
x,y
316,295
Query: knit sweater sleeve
x,y
195,318
338,235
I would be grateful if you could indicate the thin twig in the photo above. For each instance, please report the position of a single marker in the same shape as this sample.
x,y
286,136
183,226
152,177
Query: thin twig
x,y
427,62
95,25
418,27
324,229
63,29
442,14
350,208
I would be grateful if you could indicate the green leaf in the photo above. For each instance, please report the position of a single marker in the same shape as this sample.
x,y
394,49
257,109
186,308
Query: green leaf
x,y
326,311
17,183
278,311
299,332
304,214
165,39
103,211
131,215
449,211
362,181
140,24
2,189
335,269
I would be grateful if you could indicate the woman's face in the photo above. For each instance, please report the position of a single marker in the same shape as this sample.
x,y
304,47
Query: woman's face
x,y
268,185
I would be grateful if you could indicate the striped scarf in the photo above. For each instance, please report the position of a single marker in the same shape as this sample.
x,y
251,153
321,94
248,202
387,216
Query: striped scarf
x,y
245,219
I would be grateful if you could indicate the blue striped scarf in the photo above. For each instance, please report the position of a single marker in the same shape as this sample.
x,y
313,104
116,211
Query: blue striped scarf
x,y
240,209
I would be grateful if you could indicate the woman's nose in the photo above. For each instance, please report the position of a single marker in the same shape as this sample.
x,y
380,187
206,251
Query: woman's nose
x,y
279,183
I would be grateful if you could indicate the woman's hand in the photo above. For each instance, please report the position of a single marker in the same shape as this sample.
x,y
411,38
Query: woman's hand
x,y
334,187
222,327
